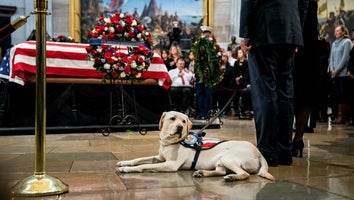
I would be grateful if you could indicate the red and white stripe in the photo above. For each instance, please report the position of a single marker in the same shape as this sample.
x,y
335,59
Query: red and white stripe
x,y
70,60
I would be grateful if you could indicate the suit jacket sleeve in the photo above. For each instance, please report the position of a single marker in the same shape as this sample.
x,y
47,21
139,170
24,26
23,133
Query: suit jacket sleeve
x,y
247,18
303,6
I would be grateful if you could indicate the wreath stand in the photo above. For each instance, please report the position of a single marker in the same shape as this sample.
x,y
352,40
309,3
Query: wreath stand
x,y
122,118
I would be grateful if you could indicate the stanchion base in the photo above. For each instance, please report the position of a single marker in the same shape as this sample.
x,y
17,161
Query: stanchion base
x,y
39,185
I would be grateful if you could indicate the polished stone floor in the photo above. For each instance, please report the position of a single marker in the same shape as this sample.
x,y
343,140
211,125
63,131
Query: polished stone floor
x,y
86,163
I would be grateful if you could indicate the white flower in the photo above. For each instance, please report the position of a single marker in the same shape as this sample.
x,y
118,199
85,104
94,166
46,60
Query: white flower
x,y
99,50
134,23
107,20
107,66
122,74
138,75
139,35
121,15
114,58
111,29
133,65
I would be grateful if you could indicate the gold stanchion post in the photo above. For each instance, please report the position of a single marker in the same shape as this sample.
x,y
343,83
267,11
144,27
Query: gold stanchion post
x,y
40,184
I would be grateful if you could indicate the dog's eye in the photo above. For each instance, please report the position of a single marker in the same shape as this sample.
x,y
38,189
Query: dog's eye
x,y
184,121
173,118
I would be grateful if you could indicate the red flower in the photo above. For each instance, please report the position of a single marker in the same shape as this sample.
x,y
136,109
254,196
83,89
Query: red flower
x,y
105,37
128,19
107,54
97,60
134,72
94,35
148,40
111,35
104,46
125,59
120,28
114,20
131,34
141,48
127,69
100,28
133,57
141,59
140,28
114,74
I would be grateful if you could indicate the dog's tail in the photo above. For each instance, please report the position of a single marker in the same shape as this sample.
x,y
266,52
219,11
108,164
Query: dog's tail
x,y
263,170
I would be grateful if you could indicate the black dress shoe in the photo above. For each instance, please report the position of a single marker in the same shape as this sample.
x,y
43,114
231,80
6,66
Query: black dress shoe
x,y
285,158
272,162
309,130
271,158
298,147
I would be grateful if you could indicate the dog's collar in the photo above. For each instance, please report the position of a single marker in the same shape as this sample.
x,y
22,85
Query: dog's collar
x,y
194,141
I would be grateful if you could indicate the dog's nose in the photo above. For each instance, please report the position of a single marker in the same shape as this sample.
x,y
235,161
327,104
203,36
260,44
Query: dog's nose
x,y
179,128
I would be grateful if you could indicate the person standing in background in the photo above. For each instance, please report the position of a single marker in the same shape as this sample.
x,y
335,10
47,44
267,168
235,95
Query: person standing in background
x,y
203,88
164,56
338,63
273,29
223,92
306,77
175,54
351,84
242,80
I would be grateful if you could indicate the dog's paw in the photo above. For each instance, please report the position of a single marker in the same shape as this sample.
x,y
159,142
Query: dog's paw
x,y
123,163
123,169
198,174
236,177
229,178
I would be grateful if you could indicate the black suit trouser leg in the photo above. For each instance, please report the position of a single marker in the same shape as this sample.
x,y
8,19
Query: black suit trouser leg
x,y
272,91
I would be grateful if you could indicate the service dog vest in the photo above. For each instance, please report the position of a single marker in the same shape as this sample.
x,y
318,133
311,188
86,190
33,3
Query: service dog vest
x,y
199,143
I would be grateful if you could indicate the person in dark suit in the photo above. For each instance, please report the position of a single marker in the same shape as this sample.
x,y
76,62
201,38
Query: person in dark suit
x,y
351,84
273,29
306,78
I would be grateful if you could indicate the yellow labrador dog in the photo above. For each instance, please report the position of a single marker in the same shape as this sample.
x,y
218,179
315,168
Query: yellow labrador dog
x,y
234,160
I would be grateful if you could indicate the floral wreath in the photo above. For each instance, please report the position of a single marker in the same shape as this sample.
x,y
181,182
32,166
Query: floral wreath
x,y
120,46
62,38
208,61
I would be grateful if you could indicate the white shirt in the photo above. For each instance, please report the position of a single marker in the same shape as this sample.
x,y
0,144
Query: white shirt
x,y
231,61
177,80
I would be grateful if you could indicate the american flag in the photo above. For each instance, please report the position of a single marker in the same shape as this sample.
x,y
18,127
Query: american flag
x,y
5,66
66,60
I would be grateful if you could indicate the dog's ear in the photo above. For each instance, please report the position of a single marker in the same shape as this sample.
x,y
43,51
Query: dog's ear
x,y
161,120
189,124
